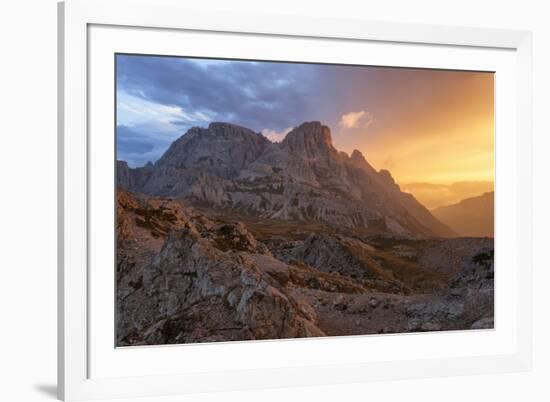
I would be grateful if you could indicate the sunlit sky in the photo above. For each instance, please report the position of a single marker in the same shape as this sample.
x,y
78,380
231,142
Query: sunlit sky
x,y
432,129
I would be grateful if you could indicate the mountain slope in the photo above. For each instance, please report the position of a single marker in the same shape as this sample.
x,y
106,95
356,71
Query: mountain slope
x,y
303,178
470,217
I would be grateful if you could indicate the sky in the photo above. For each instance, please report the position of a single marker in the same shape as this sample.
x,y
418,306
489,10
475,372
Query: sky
x,y
432,129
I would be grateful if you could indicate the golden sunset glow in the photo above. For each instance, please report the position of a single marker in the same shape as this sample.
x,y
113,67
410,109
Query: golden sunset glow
x,y
438,133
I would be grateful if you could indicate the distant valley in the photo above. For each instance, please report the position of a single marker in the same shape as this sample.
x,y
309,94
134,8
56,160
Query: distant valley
x,y
470,217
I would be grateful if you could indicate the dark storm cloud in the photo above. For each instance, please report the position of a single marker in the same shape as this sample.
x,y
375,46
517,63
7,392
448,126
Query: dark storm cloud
x,y
140,144
258,95
129,141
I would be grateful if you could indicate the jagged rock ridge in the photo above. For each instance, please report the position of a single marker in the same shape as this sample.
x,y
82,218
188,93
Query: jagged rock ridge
x,y
302,178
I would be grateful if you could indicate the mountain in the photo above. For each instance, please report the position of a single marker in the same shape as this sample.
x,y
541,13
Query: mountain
x,y
470,217
303,178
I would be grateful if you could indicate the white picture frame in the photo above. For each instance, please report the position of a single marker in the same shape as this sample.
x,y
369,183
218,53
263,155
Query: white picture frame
x,y
80,378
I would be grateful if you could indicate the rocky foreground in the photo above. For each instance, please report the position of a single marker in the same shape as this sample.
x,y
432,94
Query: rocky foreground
x,y
186,275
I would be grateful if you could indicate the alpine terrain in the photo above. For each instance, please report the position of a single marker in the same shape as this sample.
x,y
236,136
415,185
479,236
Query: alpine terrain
x,y
229,236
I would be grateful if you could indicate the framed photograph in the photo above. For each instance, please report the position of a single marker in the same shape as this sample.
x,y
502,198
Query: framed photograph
x,y
252,201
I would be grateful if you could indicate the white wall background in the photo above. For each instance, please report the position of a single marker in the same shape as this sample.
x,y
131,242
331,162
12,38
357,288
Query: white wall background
x,y
28,198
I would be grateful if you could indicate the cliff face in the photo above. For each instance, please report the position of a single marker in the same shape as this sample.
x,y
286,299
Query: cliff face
x,y
303,178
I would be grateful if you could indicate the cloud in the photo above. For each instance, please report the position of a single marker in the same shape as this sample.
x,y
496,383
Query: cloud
x,y
133,110
252,94
128,142
160,98
276,136
356,119
140,144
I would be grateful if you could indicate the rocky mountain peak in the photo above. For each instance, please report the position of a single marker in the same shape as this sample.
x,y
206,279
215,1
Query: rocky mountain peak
x,y
311,139
228,130
222,149
358,160
386,176
356,155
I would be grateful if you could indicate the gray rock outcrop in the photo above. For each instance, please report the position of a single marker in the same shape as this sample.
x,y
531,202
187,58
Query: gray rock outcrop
x,y
209,282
